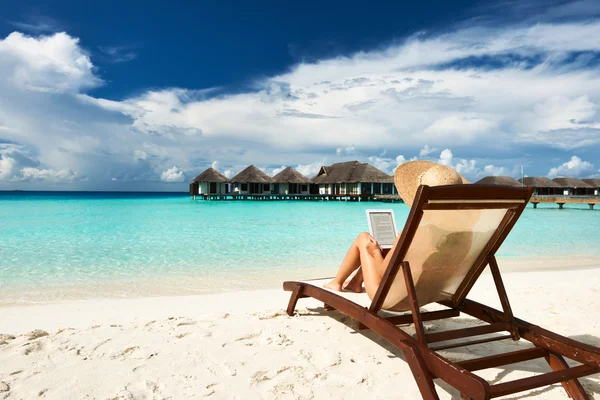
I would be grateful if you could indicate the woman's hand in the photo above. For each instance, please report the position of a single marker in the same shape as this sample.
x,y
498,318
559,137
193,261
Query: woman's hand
x,y
372,245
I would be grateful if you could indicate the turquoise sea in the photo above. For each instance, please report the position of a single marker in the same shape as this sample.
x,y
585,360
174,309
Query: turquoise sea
x,y
59,245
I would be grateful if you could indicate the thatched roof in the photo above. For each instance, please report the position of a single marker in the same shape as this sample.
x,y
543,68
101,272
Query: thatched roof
x,y
252,175
290,175
592,182
351,172
571,183
539,181
499,180
210,175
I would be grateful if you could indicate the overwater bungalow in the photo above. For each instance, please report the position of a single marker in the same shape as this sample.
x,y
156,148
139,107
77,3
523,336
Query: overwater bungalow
x,y
595,184
543,186
499,180
252,181
574,186
354,178
210,181
290,181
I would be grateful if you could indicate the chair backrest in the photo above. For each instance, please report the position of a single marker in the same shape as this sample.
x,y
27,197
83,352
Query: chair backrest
x,y
449,236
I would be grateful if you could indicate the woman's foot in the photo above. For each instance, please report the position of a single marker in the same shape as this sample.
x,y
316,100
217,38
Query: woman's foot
x,y
354,285
333,285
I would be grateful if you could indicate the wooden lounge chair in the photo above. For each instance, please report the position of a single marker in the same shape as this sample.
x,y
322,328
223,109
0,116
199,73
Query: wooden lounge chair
x,y
473,220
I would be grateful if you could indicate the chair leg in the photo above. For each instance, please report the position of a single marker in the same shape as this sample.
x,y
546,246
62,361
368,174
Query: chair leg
x,y
503,298
414,304
421,374
572,387
293,300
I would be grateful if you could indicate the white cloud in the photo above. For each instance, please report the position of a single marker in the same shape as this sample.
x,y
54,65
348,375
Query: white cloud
x,y
275,171
53,63
427,150
508,90
37,24
461,128
575,167
309,170
215,165
9,168
400,160
140,155
345,151
381,163
173,174
462,166
118,54
17,165
496,171
49,175
446,157
560,112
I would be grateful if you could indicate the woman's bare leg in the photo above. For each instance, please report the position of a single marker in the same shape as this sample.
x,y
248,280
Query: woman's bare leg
x,y
355,284
373,267
350,263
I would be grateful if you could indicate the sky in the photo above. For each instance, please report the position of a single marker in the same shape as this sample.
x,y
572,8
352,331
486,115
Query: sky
x,y
146,95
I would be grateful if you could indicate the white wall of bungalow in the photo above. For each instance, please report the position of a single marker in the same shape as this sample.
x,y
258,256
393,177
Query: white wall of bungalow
x,y
244,188
292,188
212,188
359,188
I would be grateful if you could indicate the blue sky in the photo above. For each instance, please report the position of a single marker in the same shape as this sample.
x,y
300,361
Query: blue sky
x,y
145,95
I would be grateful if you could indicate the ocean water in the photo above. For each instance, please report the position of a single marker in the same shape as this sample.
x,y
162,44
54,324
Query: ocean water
x,y
57,246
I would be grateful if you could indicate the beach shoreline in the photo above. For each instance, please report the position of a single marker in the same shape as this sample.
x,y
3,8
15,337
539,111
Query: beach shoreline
x,y
228,282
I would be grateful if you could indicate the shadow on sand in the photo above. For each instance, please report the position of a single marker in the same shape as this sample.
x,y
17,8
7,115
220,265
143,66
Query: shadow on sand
x,y
534,367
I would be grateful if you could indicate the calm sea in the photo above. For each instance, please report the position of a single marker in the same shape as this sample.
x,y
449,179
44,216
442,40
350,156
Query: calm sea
x,y
58,245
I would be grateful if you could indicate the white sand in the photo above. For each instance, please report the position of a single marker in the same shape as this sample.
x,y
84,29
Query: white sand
x,y
242,345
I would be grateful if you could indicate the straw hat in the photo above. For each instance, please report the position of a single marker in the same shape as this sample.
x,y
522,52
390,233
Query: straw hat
x,y
409,176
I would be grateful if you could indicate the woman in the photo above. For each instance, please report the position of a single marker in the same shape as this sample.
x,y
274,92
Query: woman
x,y
364,254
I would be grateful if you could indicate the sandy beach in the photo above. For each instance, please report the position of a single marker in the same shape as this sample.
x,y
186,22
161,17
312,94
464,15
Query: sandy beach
x,y
242,345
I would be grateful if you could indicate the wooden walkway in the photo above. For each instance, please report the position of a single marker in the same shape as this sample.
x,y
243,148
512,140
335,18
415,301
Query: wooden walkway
x,y
591,201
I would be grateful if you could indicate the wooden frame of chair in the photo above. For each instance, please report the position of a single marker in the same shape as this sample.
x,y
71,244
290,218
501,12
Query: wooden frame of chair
x,y
425,363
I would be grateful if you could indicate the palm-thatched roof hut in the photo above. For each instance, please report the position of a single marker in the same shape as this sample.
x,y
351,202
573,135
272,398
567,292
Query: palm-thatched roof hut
x,y
595,184
290,175
211,175
251,174
290,181
353,177
575,186
351,172
252,181
543,186
210,181
499,180
592,182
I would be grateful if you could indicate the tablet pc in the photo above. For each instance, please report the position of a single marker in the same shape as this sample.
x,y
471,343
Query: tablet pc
x,y
382,226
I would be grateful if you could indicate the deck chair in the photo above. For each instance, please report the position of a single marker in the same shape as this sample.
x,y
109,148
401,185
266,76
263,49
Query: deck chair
x,y
452,233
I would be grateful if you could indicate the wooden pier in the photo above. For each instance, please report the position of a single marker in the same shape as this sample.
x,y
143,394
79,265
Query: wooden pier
x,y
305,197
591,201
